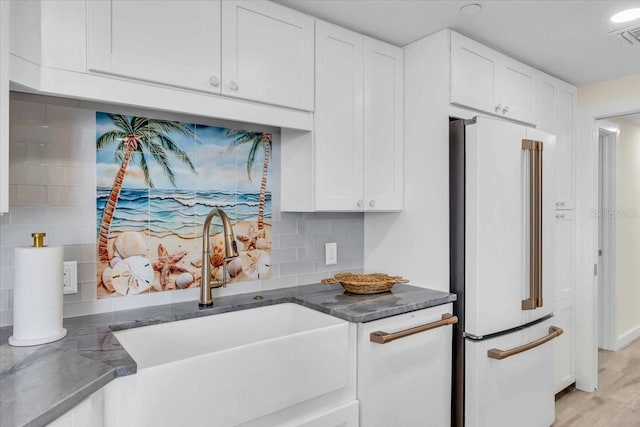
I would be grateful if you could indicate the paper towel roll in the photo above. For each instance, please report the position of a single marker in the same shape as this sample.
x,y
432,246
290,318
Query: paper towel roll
x,y
37,295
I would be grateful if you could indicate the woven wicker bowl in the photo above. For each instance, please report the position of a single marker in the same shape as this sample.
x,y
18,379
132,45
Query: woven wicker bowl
x,y
365,284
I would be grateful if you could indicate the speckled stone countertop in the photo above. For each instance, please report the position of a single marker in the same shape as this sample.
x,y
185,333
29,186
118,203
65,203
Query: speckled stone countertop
x,y
40,383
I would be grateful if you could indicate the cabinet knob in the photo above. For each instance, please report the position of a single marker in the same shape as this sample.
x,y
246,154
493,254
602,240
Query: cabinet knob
x,y
372,203
498,108
505,110
559,203
560,216
213,80
233,86
360,203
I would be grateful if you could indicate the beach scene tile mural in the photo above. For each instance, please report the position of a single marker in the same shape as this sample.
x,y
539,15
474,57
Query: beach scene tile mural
x,y
156,182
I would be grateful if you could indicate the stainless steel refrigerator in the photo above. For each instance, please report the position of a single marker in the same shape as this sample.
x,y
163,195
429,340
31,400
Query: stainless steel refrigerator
x,y
502,265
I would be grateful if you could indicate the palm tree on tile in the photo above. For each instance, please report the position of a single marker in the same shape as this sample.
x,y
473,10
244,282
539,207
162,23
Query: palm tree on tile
x,y
138,137
257,140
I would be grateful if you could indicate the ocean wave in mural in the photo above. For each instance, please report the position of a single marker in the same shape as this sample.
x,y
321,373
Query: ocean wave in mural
x,y
157,181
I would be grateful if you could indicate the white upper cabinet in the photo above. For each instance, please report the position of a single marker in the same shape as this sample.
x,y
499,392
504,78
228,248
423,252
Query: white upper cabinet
x,y
267,53
358,122
4,106
383,136
175,43
555,114
486,80
338,130
256,50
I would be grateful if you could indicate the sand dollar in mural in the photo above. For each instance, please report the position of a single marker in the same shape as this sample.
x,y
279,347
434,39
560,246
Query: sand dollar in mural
x,y
132,275
256,264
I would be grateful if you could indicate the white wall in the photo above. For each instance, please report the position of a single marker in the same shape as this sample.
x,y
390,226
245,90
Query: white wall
x,y
628,229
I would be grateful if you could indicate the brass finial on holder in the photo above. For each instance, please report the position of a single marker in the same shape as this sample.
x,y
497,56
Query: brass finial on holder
x,y
38,239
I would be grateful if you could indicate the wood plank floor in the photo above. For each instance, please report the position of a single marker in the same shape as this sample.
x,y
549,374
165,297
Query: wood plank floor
x,y
616,403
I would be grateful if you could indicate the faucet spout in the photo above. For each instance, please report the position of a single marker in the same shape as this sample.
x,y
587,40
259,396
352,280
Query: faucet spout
x,y
230,251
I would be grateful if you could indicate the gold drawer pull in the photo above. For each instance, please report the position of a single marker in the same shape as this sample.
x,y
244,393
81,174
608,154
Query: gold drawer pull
x,y
381,337
494,353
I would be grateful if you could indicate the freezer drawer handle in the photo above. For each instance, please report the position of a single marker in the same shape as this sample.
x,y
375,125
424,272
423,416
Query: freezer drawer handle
x,y
494,353
381,337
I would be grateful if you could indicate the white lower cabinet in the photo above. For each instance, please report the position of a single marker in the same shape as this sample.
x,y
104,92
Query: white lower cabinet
x,y
564,346
407,381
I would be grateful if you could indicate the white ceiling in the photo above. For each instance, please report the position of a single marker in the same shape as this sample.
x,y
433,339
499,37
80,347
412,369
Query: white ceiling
x,y
565,38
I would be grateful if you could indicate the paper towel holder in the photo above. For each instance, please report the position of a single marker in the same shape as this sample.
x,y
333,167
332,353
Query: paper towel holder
x,y
38,239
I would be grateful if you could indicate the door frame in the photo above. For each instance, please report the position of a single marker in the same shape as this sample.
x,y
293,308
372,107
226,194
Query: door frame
x,y
607,205
587,230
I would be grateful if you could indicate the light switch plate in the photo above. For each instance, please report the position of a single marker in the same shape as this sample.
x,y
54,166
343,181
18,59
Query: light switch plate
x,y
330,253
70,281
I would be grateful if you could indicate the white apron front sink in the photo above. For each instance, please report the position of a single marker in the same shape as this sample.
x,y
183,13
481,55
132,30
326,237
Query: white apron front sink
x,y
230,368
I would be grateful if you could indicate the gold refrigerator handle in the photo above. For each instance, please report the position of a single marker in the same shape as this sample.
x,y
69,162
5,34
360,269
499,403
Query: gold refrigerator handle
x,y
531,302
381,337
495,353
539,231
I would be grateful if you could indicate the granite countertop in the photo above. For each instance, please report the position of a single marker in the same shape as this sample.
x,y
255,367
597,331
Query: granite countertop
x,y
40,383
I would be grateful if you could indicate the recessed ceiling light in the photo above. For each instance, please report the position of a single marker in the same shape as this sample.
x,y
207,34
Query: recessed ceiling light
x,y
626,15
470,9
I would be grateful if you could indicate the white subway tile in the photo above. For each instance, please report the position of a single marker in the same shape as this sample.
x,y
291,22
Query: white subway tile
x,y
141,300
27,194
83,308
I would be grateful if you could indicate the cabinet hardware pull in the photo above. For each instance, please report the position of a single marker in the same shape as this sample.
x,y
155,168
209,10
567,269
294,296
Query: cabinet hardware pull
x,y
495,353
233,86
505,110
360,203
498,108
381,337
213,81
372,203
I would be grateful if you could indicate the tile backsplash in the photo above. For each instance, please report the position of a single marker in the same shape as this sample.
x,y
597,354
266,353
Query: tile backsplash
x,y
52,180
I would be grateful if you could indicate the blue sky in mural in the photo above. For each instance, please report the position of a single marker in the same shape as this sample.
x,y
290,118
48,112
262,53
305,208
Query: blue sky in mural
x,y
217,166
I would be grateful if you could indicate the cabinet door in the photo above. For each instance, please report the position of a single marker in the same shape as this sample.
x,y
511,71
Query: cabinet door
x,y
405,382
564,345
518,86
175,43
564,123
473,74
382,126
565,249
546,105
338,119
4,106
267,53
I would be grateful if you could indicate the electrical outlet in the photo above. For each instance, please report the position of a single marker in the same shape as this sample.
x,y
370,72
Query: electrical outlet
x,y
330,253
70,281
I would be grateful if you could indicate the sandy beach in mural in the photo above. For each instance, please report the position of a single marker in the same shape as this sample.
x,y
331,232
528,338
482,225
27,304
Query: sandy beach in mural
x,y
183,257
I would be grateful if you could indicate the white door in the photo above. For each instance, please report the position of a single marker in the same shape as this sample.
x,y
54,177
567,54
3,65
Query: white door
x,y
267,53
514,391
175,43
338,130
382,126
496,222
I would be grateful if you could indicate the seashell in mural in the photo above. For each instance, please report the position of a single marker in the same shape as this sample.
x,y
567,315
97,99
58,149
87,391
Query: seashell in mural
x,y
129,244
256,264
218,275
183,280
132,275
262,243
113,261
234,267
106,278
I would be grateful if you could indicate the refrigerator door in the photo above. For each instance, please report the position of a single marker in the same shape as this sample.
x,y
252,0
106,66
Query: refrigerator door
x,y
496,227
548,223
514,391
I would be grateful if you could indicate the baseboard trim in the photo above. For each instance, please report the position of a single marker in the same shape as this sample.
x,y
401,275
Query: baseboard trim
x,y
628,337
